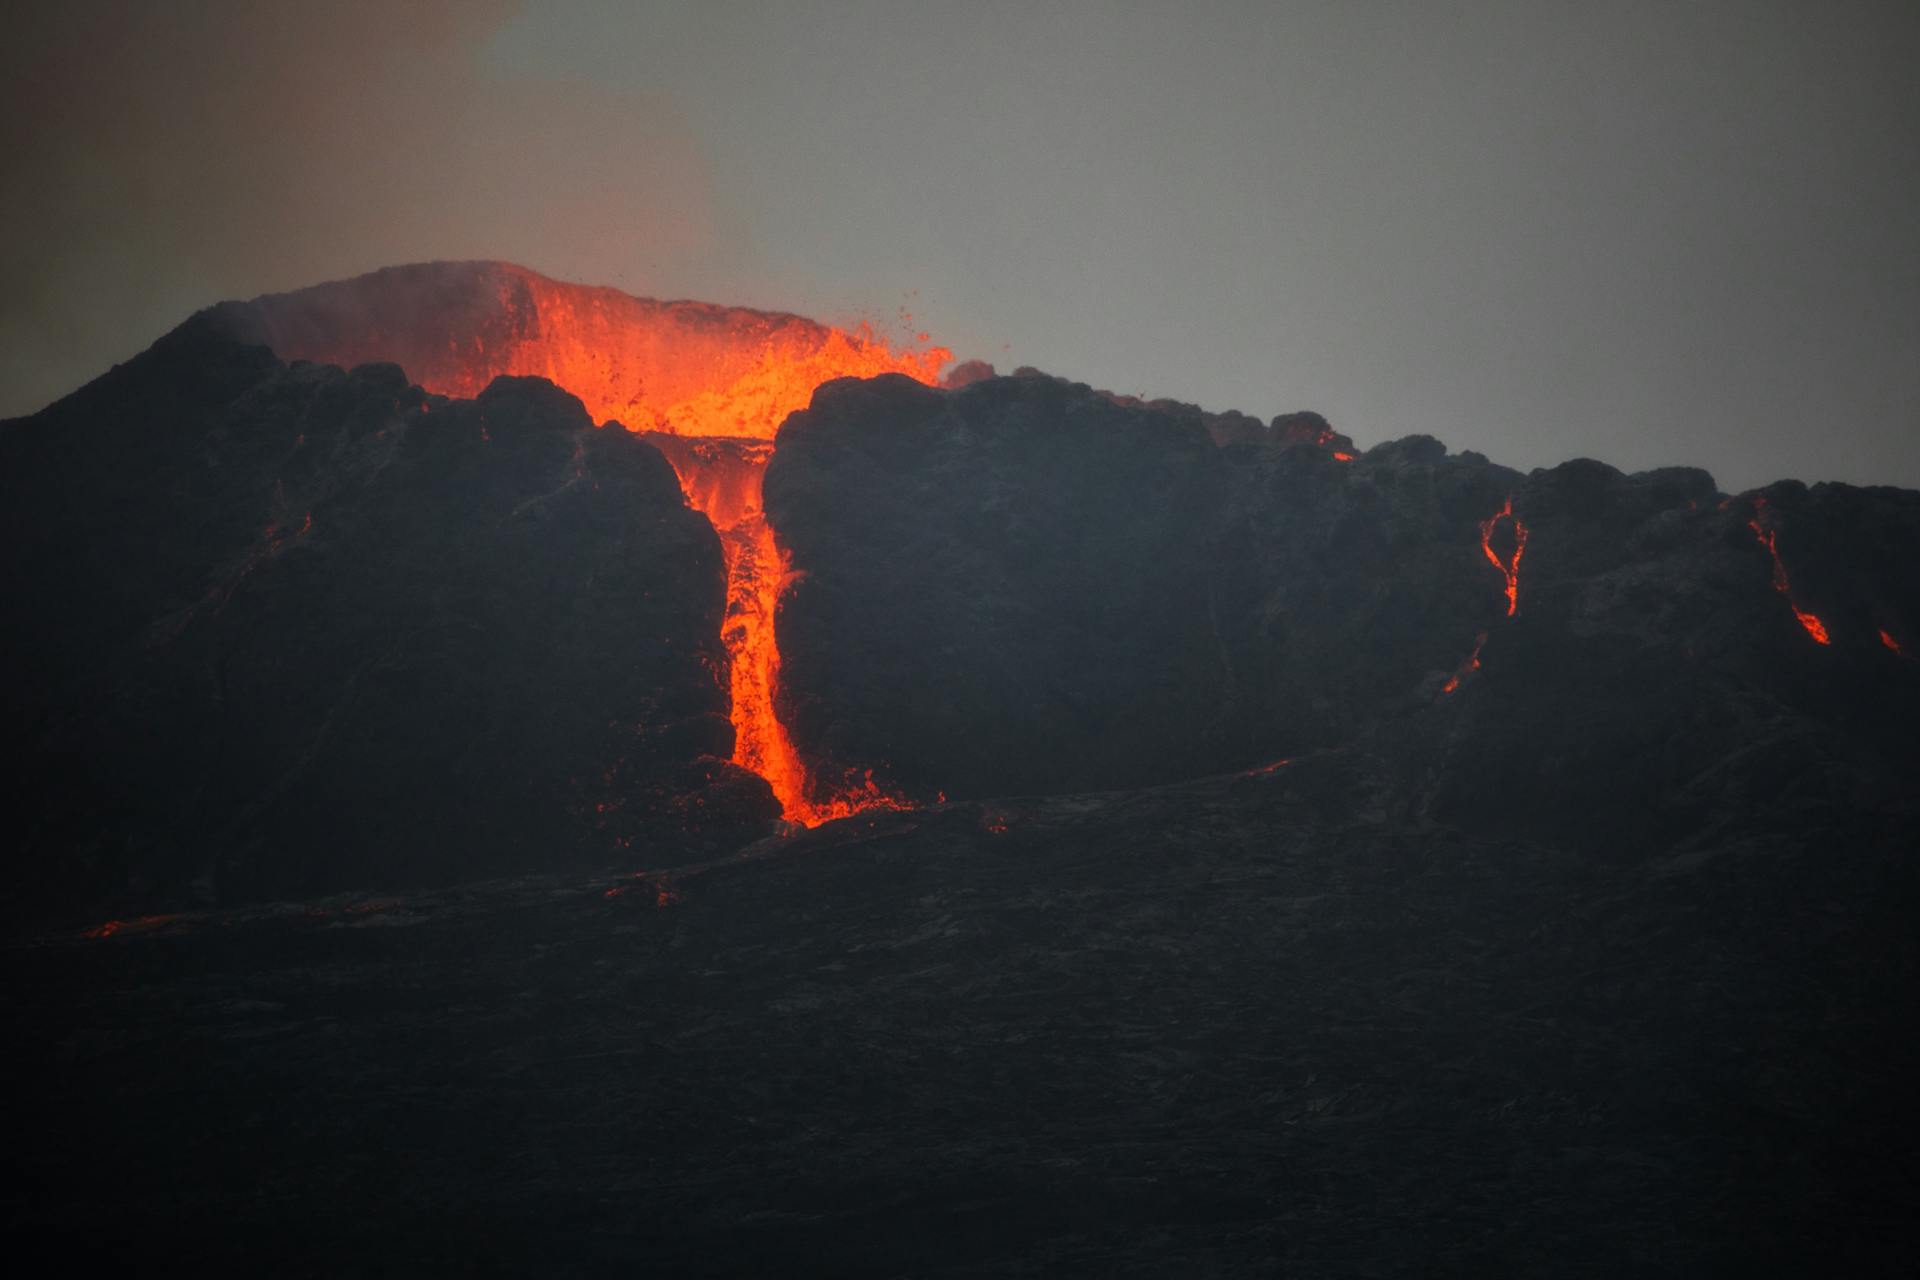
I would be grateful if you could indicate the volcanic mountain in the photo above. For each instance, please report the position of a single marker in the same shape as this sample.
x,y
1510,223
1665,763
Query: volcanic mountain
x,y
1528,814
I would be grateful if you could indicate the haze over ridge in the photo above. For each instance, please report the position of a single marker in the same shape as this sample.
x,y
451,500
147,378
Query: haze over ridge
x,y
1647,235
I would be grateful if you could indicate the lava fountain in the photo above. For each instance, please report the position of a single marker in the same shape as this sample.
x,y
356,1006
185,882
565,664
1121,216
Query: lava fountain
x,y
708,385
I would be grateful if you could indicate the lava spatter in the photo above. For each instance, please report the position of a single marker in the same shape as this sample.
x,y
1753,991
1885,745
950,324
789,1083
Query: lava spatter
x,y
1769,537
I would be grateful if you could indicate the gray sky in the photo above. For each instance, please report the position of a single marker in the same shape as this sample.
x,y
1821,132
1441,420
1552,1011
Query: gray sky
x,y
1646,232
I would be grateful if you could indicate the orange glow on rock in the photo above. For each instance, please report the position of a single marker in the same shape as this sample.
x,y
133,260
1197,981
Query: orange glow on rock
x,y
717,380
1886,638
683,368
720,381
1761,524
1509,569
139,925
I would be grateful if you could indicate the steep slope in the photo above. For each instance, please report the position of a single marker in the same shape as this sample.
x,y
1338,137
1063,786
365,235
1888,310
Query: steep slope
x,y
709,385
1023,585
285,627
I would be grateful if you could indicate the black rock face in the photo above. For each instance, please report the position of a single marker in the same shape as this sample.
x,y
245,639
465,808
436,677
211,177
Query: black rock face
x,y
281,628
1003,588
1439,867
1023,585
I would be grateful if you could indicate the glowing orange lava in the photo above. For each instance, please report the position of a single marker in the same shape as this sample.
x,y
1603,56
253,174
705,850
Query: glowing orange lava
x,y
1509,569
1471,664
1769,538
722,478
714,384
1886,638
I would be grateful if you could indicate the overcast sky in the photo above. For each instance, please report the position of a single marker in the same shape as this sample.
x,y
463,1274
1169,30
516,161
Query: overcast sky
x,y
1645,232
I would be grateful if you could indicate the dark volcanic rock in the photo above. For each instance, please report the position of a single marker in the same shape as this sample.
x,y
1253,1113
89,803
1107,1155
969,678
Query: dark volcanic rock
x,y
1002,589
1025,584
1242,1027
277,628
1572,936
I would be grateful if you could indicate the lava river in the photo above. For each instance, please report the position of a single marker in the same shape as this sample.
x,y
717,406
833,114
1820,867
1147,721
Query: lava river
x,y
719,438
709,385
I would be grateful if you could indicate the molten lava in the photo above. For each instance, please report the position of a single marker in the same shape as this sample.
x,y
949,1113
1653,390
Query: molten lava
x,y
1769,537
1886,638
713,384
1472,664
1509,569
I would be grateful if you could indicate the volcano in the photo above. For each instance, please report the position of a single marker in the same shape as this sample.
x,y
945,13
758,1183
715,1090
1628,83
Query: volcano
x,y
804,800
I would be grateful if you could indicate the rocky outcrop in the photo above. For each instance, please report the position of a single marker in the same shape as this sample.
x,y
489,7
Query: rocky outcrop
x,y
276,628
1023,585
999,588
286,625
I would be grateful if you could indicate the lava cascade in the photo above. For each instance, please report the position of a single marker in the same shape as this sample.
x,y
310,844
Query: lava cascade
x,y
722,478
712,384
1769,537
1509,568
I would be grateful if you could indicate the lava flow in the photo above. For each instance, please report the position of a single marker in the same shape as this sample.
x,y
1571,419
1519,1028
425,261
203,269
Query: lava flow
x,y
1509,569
719,440
711,385
722,478
1761,524
1472,664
